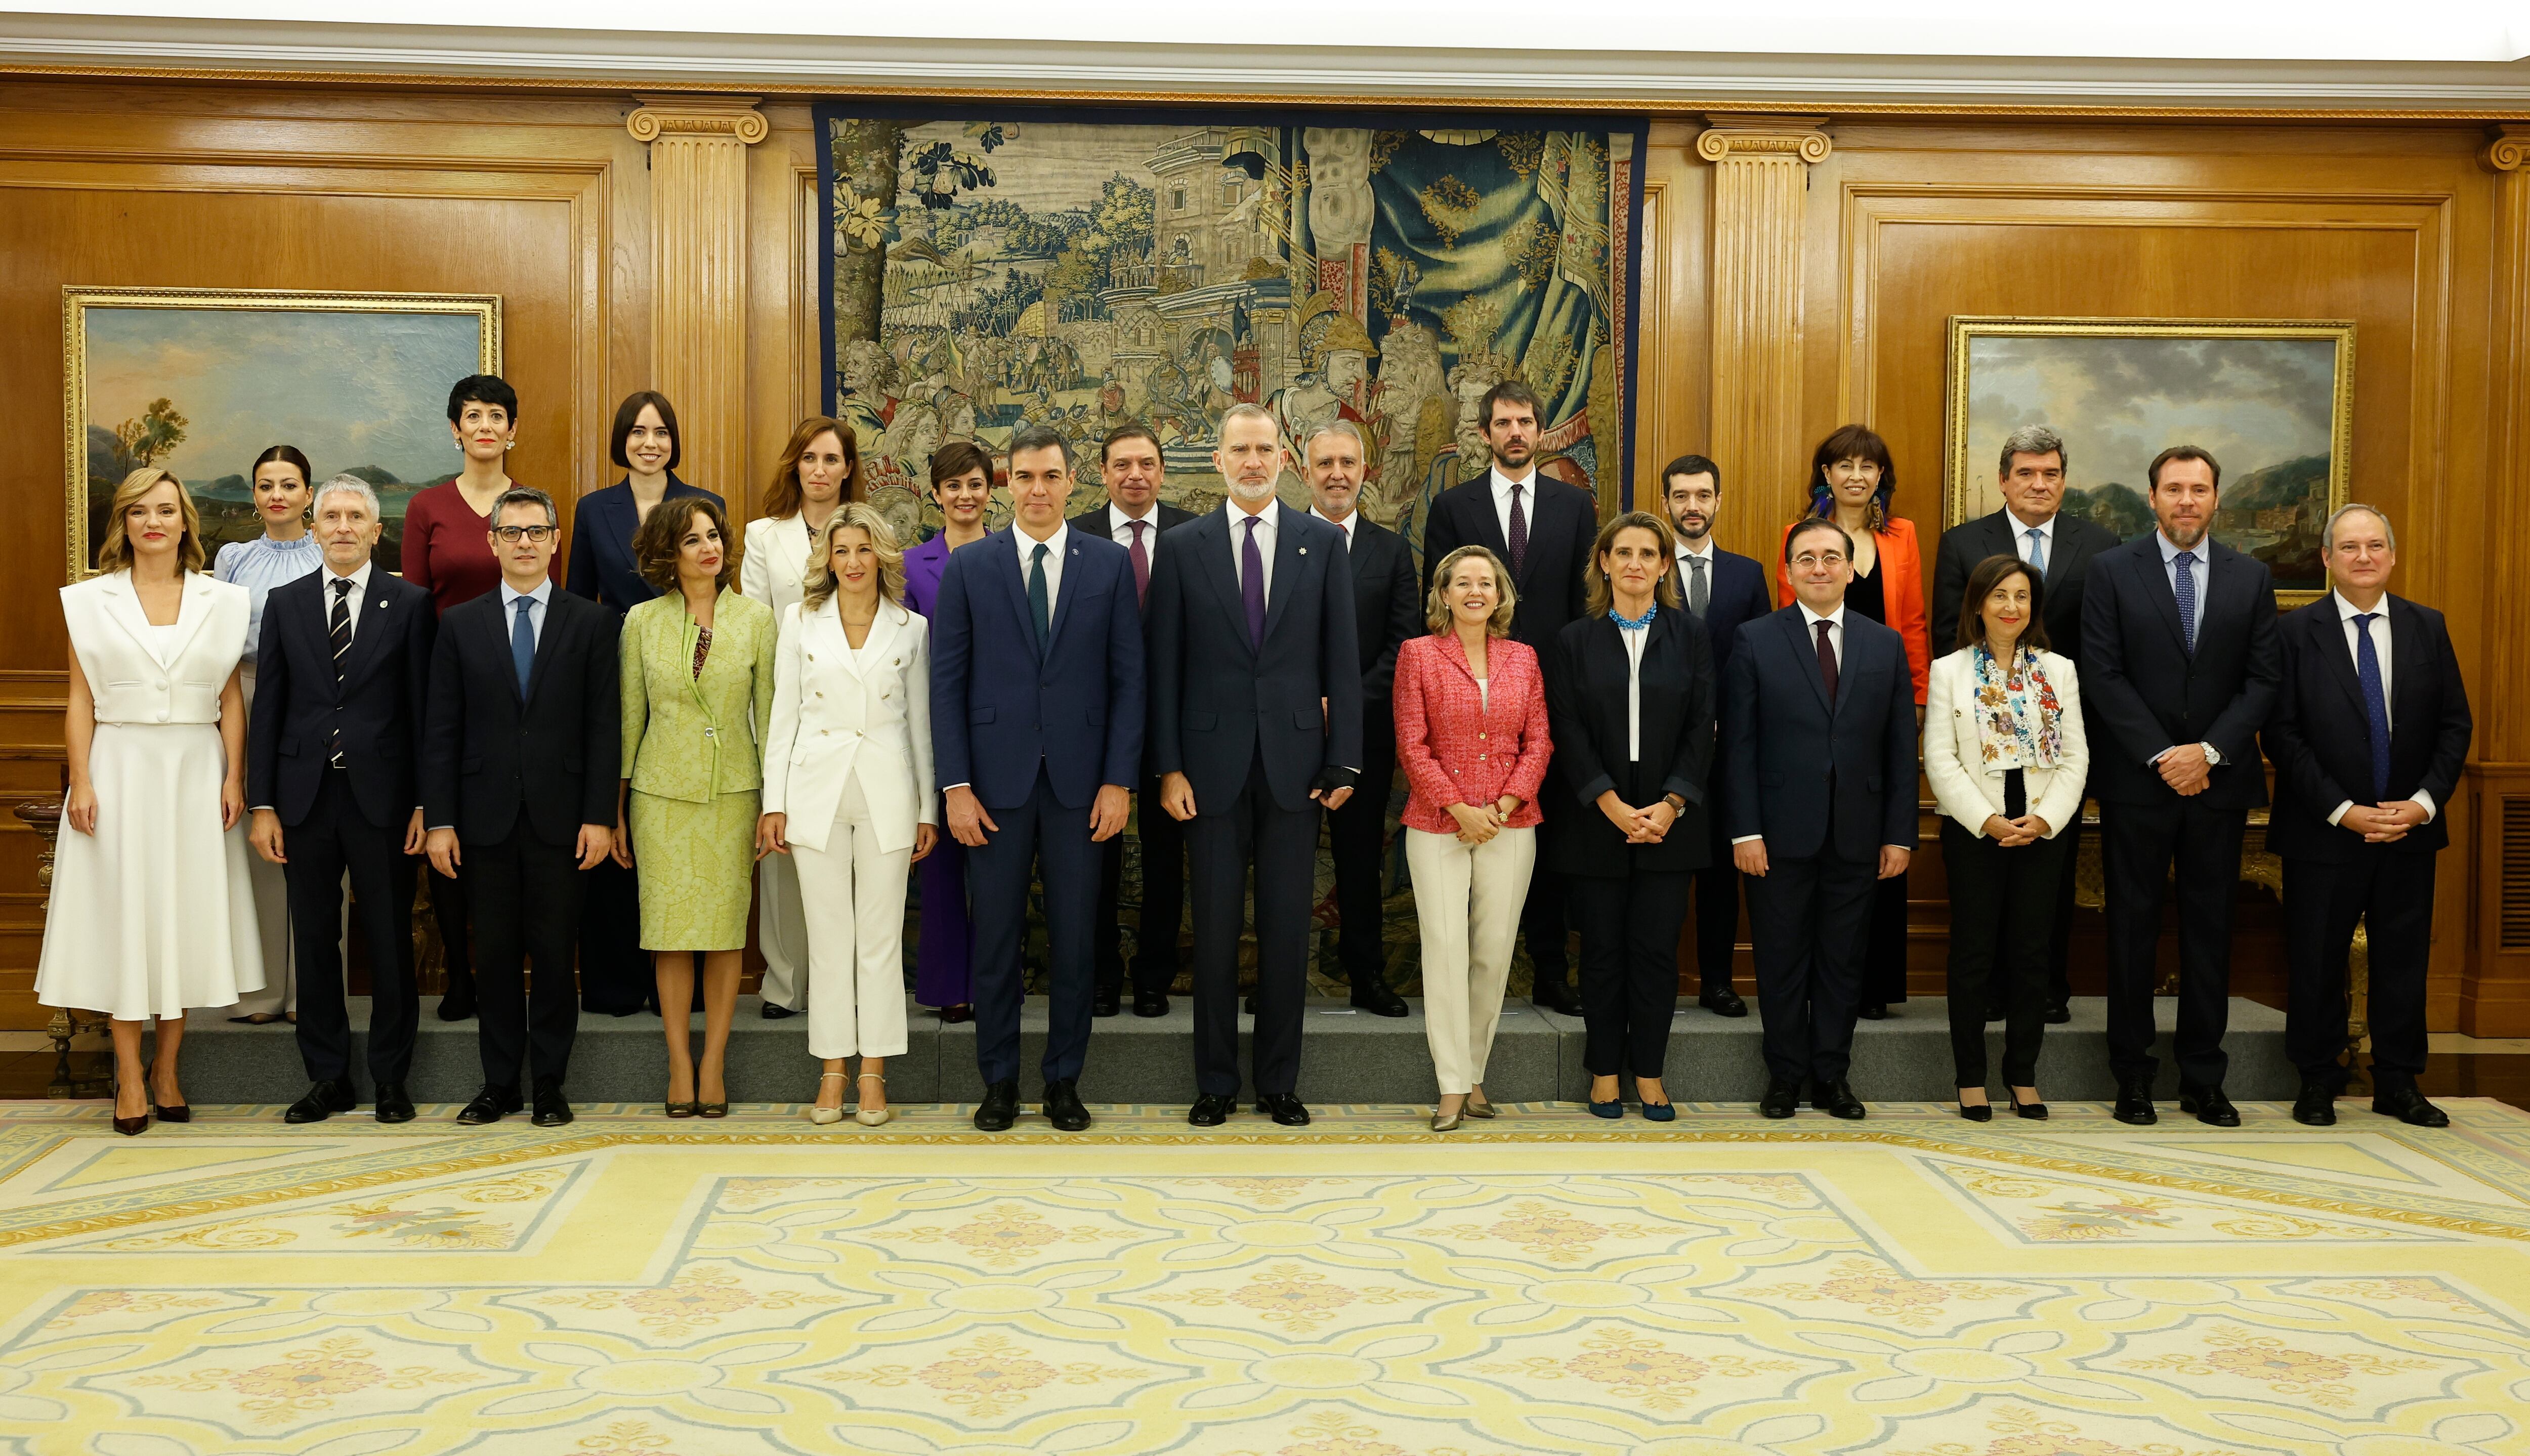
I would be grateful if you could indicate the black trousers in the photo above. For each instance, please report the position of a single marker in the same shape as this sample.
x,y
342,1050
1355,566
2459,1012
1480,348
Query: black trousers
x,y
448,909
1155,935
1357,838
525,897
1041,837
614,973
2392,893
1629,928
1717,907
1808,918
2003,915
1223,841
1884,947
2059,939
2139,845
1542,923
336,838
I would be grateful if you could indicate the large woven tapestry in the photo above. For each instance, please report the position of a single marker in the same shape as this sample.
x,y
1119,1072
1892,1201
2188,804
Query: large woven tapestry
x,y
1000,266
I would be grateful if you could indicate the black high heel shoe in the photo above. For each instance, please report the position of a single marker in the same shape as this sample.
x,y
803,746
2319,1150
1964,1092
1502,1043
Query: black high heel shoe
x,y
129,1127
1977,1112
2034,1112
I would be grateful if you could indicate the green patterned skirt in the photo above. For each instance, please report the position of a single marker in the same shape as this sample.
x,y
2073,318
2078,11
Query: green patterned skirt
x,y
697,868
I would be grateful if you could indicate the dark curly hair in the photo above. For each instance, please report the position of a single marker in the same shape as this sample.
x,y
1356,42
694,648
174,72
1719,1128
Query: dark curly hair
x,y
656,545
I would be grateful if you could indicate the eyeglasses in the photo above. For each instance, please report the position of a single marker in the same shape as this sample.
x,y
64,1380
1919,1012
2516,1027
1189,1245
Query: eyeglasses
x,y
1808,559
512,535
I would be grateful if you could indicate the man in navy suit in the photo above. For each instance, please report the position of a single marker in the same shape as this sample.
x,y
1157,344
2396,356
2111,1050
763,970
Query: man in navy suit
x,y
1036,727
2180,663
1721,589
2370,732
1255,725
345,668
1819,714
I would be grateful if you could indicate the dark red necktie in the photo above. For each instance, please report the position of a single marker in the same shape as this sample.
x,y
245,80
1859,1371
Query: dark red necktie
x,y
1827,662
1518,541
1142,565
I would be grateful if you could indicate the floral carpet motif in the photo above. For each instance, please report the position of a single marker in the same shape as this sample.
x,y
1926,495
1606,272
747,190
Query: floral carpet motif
x,y
1721,1287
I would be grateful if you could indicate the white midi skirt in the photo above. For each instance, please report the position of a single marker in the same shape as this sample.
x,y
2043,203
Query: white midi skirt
x,y
152,914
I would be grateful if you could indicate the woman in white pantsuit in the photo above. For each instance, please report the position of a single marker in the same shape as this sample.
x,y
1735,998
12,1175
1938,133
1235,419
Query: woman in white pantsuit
x,y
152,911
847,795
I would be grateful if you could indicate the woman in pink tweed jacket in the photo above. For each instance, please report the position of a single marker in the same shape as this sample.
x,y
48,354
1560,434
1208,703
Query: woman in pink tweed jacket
x,y
1471,737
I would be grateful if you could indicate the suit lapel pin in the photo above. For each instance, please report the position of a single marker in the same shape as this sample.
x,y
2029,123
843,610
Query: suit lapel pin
x,y
1304,551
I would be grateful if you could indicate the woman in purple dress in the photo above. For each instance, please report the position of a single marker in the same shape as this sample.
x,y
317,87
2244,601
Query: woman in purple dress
x,y
962,481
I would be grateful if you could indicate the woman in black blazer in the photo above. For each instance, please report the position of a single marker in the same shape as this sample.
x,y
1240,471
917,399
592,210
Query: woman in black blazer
x,y
1629,694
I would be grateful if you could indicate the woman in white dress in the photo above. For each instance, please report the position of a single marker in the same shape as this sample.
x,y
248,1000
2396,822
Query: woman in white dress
x,y
847,795
152,911
820,470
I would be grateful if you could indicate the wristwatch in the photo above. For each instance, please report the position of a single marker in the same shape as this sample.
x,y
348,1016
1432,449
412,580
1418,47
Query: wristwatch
x,y
1676,802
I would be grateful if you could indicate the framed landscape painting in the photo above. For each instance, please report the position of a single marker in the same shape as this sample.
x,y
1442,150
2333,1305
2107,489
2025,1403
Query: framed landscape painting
x,y
2270,398
202,381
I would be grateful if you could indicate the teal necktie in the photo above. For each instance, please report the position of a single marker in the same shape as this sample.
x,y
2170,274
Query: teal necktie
x,y
1037,609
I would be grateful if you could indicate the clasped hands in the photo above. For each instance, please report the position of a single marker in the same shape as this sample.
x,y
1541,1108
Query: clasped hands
x,y
2384,822
1479,822
2011,834
1648,824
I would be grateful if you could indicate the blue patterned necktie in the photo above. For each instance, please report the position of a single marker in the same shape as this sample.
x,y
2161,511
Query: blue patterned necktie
x,y
1251,585
2185,586
2376,703
2038,552
523,644
1038,612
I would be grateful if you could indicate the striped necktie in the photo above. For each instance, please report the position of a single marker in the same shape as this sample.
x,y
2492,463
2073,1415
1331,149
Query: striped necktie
x,y
339,627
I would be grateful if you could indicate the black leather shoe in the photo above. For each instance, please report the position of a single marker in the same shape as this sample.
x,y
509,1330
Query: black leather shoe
x,y
1874,1011
2409,1107
395,1105
1150,1004
1782,1100
1994,1014
323,1101
1379,1001
459,1003
488,1105
2058,1013
1248,1005
1284,1108
551,1108
1063,1107
1211,1109
2210,1105
999,1109
1722,1000
1557,997
1837,1100
2134,1104
777,1012
1106,1001
2317,1105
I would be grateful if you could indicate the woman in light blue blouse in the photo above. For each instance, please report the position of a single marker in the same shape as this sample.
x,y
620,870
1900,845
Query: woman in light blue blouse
x,y
286,550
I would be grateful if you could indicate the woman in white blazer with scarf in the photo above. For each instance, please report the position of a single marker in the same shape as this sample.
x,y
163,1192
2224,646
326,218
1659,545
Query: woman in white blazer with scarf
x,y
848,794
2005,751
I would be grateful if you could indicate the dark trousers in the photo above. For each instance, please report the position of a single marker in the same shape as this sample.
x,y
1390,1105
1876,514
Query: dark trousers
x,y
2139,845
615,972
1155,934
1808,918
1717,910
2393,894
1884,945
525,897
1041,837
448,911
1357,838
1542,923
2060,939
2003,914
1629,967
1223,840
335,837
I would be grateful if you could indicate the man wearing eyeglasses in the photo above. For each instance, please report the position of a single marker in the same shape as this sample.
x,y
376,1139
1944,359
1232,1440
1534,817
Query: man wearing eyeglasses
x,y
1819,716
521,744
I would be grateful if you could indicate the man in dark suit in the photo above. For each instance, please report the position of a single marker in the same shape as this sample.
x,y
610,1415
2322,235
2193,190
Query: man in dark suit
x,y
1721,589
1543,529
521,740
1256,725
1036,726
2179,668
2369,734
1819,714
2059,549
345,669
1136,517
1387,609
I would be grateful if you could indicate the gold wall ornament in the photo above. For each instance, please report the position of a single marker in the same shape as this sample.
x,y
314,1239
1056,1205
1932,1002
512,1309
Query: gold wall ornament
x,y
2509,148
698,277
1760,193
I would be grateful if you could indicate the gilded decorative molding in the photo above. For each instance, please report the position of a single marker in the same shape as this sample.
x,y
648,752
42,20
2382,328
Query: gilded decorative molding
x,y
2510,148
698,116
1757,138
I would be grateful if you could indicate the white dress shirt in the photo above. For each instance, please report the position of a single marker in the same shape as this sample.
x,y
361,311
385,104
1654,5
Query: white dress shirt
x,y
1265,529
1686,574
542,596
1120,530
1502,485
1633,641
360,580
2346,612
1053,549
2021,542
1835,645
1352,518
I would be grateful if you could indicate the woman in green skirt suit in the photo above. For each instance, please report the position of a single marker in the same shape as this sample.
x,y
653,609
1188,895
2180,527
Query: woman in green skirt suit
x,y
698,693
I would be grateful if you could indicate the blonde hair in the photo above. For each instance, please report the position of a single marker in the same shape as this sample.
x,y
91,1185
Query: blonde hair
x,y
1436,602
115,553
1600,594
819,582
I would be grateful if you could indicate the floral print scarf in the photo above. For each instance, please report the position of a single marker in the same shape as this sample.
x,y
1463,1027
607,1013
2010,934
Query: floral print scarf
x,y
2017,713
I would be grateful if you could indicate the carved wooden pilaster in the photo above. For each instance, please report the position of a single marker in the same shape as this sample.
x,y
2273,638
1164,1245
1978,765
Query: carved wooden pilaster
x,y
1760,181
698,276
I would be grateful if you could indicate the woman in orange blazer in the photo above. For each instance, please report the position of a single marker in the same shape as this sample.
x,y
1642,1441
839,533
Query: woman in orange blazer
x,y
1471,736
1852,481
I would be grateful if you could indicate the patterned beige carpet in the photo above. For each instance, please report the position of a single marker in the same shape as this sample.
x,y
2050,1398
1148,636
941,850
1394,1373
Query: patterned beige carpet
x,y
1548,1283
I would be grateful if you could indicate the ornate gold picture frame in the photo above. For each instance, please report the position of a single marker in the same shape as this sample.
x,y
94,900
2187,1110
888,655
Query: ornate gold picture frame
x,y
2271,399
203,380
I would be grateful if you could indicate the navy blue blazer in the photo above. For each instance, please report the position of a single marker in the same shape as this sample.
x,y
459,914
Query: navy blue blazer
x,y
602,525
1217,702
2320,736
999,709
2143,692
1739,596
1792,757
490,757
378,706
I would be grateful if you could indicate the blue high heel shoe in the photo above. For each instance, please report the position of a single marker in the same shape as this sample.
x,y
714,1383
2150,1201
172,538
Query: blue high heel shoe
x,y
1660,1112
1610,1110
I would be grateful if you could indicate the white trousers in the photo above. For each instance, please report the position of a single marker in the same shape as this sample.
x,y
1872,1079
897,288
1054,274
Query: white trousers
x,y
781,930
853,896
1467,900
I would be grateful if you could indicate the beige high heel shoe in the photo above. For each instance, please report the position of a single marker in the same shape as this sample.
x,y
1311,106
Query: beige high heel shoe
x,y
863,1114
824,1117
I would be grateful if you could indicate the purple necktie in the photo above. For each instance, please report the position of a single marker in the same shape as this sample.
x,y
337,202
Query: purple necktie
x,y
1251,585
1518,537
1142,565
